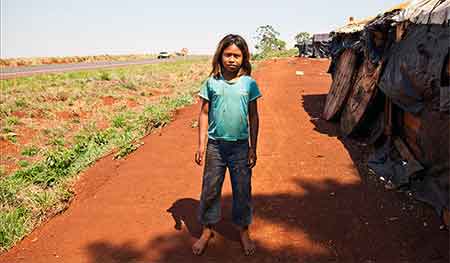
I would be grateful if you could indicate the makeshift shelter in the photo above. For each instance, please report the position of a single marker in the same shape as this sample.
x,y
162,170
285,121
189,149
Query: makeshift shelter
x,y
320,44
396,89
305,49
375,40
344,48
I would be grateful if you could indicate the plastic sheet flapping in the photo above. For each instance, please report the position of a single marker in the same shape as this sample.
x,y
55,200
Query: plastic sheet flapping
x,y
413,72
381,25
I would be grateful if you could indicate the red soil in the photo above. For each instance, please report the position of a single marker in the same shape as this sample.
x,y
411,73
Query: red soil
x,y
8,148
25,135
64,115
108,100
19,114
313,200
132,103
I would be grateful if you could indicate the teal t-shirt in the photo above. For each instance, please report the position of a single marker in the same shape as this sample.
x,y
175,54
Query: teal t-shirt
x,y
228,106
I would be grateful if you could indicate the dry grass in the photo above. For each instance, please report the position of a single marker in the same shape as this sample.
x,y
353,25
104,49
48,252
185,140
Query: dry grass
x,y
21,62
53,126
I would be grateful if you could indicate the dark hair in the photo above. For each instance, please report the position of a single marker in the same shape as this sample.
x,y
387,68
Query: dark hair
x,y
246,67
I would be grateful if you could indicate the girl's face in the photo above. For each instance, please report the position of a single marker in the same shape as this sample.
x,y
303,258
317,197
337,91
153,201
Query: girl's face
x,y
232,58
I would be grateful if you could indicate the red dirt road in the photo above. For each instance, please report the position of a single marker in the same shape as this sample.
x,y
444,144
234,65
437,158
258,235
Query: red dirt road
x,y
313,199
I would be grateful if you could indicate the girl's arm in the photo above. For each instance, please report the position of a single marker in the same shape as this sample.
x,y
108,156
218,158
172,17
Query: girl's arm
x,y
254,127
202,131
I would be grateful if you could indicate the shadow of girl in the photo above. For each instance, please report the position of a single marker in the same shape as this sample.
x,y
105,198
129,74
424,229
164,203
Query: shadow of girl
x,y
185,211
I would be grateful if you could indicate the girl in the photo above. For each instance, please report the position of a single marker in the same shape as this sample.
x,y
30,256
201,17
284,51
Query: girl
x,y
228,114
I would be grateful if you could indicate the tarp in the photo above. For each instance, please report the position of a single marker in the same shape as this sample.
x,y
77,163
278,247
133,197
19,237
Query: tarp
x,y
381,25
324,37
426,12
338,44
388,165
413,71
414,78
320,45
426,184
305,49
321,50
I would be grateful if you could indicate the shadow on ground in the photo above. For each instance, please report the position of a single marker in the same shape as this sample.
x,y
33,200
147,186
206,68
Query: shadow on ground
x,y
324,222
345,226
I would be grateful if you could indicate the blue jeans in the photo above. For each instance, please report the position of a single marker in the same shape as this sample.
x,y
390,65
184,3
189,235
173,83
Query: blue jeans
x,y
221,155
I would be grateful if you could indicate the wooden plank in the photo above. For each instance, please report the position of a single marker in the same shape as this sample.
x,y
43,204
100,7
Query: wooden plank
x,y
400,30
388,117
341,85
411,122
362,94
446,216
411,127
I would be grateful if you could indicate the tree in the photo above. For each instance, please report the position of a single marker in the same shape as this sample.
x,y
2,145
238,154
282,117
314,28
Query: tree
x,y
267,39
302,37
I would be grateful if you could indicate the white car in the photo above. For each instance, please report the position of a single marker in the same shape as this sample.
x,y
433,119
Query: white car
x,y
163,54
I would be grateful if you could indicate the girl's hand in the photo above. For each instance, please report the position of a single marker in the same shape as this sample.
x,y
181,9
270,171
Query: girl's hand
x,y
251,158
199,156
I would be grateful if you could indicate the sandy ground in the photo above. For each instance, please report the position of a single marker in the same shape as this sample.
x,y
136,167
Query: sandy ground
x,y
313,199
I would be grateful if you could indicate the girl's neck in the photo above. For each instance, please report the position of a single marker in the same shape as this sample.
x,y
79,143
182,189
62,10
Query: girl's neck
x,y
227,75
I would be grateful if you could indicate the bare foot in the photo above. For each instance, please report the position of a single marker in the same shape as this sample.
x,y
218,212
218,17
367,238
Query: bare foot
x,y
200,245
247,243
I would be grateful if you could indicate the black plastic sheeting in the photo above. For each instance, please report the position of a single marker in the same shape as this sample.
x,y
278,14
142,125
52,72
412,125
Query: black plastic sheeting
x,y
321,49
413,72
429,184
383,24
341,42
416,79
318,49
433,191
305,49
387,163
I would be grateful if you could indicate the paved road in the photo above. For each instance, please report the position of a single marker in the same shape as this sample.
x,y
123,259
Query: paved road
x,y
14,72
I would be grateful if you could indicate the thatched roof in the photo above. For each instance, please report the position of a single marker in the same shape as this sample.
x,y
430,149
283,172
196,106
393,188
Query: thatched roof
x,y
354,26
425,12
358,25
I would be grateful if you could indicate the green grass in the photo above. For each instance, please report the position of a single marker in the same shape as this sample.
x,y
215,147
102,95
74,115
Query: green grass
x,y
23,163
7,129
21,103
12,137
105,75
13,225
12,120
41,189
30,151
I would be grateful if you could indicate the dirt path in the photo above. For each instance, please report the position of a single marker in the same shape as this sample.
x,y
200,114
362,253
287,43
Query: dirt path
x,y
313,200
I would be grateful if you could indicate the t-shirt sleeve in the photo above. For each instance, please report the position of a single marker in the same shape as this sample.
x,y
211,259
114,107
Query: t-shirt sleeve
x,y
204,90
254,92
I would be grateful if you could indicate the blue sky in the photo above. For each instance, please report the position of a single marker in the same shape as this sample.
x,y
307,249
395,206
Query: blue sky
x,y
67,28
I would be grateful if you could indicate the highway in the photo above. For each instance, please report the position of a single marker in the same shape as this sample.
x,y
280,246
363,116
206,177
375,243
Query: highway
x,y
14,72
